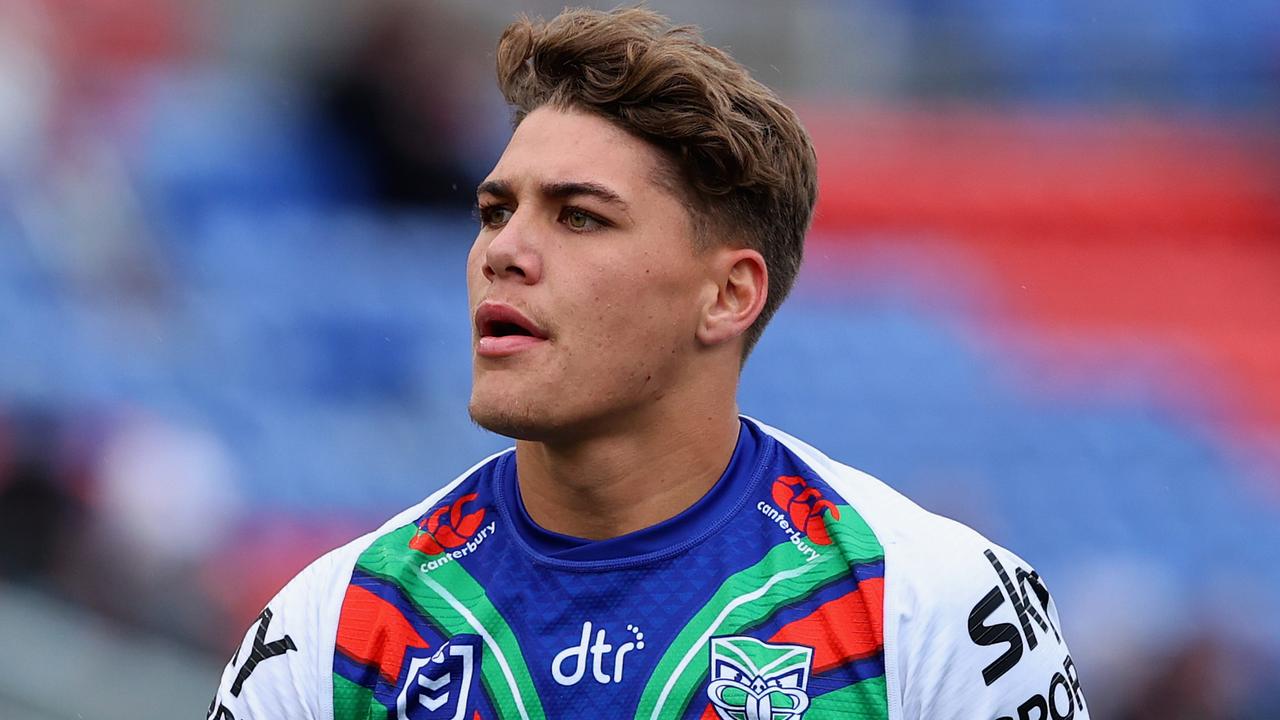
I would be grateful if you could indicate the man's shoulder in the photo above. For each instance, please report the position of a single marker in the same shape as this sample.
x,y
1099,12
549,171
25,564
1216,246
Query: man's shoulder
x,y
893,517
966,617
927,548
335,567
290,644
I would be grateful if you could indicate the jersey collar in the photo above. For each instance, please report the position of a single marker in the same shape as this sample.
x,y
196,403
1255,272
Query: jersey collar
x,y
708,514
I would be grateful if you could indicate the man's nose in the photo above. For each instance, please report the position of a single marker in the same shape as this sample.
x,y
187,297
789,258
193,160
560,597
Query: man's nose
x,y
513,253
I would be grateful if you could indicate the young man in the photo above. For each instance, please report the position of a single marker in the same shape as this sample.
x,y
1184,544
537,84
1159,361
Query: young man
x,y
644,551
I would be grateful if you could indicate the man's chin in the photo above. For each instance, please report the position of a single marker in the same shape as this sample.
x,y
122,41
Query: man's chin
x,y
515,423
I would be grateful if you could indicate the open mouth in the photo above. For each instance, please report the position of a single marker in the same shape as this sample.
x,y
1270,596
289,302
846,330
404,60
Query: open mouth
x,y
503,330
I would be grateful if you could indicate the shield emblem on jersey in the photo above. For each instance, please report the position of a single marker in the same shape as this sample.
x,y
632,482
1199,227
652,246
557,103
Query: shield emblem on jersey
x,y
754,680
439,687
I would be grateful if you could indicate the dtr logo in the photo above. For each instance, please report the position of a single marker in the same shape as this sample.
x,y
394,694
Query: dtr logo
x,y
805,505
598,651
438,687
436,535
753,680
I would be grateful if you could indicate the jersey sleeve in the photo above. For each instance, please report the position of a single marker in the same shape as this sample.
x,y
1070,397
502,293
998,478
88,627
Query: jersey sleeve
x,y
978,635
279,670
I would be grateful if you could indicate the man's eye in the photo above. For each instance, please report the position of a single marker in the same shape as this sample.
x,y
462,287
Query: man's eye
x,y
579,220
494,216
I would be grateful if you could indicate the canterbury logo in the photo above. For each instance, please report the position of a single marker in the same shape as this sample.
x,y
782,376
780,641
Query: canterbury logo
x,y
448,527
804,505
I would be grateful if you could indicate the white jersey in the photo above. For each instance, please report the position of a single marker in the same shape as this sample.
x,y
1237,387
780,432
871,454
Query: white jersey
x,y
797,589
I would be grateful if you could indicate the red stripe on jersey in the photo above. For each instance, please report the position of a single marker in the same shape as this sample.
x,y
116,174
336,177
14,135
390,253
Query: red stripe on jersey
x,y
840,630
372,631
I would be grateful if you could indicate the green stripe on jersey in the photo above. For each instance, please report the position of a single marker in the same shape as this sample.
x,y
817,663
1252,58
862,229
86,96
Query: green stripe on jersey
x,y
355,702
866,700
457,604
784,576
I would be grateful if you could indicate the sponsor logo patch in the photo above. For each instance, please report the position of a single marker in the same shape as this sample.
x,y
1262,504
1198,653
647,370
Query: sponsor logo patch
x,y
1060,701
1030,603
570,664
260,652
799,512
453,530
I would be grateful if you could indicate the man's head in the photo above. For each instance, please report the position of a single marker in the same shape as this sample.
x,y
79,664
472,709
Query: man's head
x,y
652,206
736,155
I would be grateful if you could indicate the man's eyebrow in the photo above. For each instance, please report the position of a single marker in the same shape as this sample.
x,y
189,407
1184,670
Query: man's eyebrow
x,y
570,188
499,188
558,190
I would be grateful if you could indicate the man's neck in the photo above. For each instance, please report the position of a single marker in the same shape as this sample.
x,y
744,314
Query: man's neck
x,y
609,485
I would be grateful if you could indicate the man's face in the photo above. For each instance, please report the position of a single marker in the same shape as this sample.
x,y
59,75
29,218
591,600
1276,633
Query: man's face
x,y
584,282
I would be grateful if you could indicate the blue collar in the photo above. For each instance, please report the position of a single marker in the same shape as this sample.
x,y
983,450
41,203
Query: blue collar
x,y
689,527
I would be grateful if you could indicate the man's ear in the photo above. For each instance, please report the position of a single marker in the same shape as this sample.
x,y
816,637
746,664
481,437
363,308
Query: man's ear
x,y
736,297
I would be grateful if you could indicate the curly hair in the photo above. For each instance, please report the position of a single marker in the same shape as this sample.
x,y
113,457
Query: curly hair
x,y
744,164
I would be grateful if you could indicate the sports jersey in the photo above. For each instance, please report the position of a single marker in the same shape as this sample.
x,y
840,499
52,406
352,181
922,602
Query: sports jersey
x,y
797,588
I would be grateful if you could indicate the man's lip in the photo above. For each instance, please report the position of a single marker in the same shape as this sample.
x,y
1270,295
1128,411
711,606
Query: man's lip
x,y
489,314
494,346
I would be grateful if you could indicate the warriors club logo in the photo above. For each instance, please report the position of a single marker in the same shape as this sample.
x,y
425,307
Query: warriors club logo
x,y
448,527
754,680
805,506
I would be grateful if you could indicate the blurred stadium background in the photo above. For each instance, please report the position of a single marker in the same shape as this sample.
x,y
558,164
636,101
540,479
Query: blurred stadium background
x,y
1042,296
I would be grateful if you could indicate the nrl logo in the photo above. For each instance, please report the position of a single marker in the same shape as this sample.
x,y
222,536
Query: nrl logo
x,y
439,687
753,680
